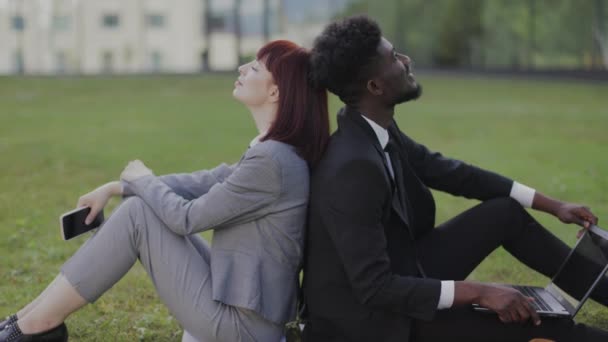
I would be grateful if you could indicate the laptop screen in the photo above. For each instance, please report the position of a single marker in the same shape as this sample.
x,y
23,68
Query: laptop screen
x,y
583,267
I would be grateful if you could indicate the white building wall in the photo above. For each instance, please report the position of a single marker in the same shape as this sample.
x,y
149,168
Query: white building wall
x,y
29,38
63,53
84,45
180,42
109,49
24,41
222,55
38,41
7,39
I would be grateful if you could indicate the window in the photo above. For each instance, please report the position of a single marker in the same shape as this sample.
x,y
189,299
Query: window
x,y
156,61
213,23
155,20
217,23
61,22
18,23
110,20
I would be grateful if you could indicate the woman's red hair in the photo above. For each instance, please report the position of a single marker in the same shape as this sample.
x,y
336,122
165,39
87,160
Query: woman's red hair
x,y
302,118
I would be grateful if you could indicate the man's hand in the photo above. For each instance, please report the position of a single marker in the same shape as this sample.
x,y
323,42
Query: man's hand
x,y
508,303
134,170
576,213
565,212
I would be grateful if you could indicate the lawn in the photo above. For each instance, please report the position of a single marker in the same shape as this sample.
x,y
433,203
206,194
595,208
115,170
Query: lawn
x,y
60,138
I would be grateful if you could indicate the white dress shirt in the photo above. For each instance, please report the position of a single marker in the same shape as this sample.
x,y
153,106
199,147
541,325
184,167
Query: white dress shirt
x,y
519,192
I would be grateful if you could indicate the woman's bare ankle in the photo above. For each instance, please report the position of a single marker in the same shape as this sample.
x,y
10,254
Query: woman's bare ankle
x,y
30,325
26,309
22,313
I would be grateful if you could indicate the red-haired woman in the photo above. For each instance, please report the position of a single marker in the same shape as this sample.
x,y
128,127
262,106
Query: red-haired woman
x,y
243,286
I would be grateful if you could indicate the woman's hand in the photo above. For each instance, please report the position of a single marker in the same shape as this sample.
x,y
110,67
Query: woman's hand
x,y
96,200
134,170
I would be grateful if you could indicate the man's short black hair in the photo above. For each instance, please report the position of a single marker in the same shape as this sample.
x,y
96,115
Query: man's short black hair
x,y
343,56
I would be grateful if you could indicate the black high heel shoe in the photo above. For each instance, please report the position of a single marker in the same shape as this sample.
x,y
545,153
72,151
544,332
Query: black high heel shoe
x,y
12,333
8,321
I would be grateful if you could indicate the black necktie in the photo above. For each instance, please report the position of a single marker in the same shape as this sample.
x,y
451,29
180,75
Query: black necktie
x,y
400,191
397,167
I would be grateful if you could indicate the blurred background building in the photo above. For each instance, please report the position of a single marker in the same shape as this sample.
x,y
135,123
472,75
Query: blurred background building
x,y
191,36
148,36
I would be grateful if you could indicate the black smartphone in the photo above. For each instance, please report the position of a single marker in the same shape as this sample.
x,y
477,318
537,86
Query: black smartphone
x,y
72,222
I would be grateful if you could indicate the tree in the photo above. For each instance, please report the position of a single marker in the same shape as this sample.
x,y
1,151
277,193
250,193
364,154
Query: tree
x,y
513,32
460,33
399,35
494,33
411,25
531,32
599,31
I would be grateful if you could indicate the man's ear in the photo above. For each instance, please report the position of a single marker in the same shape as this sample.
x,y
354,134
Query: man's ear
x,y
373,87
274,94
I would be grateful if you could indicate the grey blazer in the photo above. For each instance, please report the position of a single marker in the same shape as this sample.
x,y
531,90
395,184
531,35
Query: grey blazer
x,y
257,209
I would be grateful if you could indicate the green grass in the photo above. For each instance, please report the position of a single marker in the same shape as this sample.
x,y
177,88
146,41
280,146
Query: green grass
x,y
60,138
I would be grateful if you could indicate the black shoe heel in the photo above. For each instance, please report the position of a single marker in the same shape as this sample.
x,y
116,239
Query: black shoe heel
x,y
12,333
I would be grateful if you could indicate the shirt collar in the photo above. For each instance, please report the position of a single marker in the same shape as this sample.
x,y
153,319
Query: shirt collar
x,y
256,140
381,133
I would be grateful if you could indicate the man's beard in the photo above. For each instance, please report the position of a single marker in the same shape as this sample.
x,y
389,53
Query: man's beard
x,y
411,94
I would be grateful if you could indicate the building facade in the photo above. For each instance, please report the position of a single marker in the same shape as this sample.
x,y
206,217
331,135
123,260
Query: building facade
x,y
122,36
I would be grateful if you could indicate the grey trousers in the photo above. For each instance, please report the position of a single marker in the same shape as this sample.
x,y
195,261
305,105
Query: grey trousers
x,y
178,266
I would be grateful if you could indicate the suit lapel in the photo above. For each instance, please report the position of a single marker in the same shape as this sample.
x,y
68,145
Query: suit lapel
x,y
398,203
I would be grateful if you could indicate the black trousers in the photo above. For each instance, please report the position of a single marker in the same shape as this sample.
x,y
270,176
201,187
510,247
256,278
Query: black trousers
x,y
454,249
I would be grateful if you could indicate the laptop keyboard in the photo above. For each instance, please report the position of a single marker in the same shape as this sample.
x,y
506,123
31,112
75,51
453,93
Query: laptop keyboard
x,y
538,304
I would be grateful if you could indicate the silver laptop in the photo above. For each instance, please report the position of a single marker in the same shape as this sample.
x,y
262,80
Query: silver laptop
x,y
582,270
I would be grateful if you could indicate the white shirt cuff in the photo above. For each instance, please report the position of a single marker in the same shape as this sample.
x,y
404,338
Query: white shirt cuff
x,y
446,298
522,194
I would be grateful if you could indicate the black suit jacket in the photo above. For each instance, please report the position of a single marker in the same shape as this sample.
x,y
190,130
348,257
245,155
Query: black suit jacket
x,y
362,281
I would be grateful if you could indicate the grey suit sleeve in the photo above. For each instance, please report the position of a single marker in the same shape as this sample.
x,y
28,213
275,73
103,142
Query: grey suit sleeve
x,y
190,185
244,196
